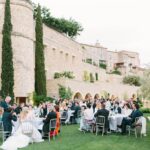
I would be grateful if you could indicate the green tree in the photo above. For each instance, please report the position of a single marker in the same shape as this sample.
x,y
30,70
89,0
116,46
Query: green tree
x,y
68,26
40,77
65,93
132,80
7,75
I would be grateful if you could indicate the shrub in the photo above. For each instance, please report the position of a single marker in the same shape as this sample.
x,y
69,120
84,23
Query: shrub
x,y
89,60
102,65
145,110
117,72
132,80
41,98
65,93
66,74
57,75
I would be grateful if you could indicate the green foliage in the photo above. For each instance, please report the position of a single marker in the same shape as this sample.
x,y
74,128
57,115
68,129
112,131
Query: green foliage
x,y
132,80
91,78
70,27
102,65
117,72
41,98
7,75
65,93
66,74
40,77
86,76
145,110
89,60
145,88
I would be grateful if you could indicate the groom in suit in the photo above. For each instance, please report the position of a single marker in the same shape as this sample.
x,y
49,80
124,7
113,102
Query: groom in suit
x,y
131,119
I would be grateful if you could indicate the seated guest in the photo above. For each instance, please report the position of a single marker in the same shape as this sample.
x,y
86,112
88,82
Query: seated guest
x,y
117,109
5,103
88,113
126,110
131,119
51,115
103,112
7,118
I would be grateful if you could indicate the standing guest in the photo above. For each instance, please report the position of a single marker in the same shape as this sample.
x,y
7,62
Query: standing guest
x,y
5,103
57,130
7,118
1,113
103,112
76,109
131,119
44,110
51,115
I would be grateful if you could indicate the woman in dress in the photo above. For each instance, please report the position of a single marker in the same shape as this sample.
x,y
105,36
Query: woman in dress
x,y
57,130
21,137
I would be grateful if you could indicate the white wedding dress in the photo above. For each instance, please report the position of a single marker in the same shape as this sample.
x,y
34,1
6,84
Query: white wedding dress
x,y
20,140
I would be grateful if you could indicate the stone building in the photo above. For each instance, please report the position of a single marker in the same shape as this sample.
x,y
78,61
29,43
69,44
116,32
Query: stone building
x,y
63,54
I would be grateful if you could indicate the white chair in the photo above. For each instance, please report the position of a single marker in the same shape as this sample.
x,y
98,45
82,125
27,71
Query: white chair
x,y
100,124
63,117
3,134
135,129
52,127
27,129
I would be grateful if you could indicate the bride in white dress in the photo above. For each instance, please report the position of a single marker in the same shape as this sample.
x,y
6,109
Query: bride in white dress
x,y
24,134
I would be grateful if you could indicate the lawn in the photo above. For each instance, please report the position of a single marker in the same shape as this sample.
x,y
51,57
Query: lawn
x,y
72,139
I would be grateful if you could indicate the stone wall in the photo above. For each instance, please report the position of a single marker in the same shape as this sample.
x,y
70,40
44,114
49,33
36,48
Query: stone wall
x,y
117,89
22,45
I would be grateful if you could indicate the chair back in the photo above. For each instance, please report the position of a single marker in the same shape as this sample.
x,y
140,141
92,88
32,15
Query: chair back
x,y
137,119
52,124
27,128
64,115
100,120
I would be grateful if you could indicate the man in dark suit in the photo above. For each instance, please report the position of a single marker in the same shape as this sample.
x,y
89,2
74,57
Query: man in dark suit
x,y
7,118
117,108
77,108
131,119
51,115
5,103
103,112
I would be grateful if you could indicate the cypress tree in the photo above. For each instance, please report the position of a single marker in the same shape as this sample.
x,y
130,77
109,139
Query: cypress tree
x,y
40,77
7,75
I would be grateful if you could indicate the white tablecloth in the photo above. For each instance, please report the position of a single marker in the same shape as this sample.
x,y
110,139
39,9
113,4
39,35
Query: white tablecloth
x,y
115,120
